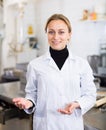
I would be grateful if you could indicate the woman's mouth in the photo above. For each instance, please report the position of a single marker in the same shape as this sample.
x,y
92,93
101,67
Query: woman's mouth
x,y
56,42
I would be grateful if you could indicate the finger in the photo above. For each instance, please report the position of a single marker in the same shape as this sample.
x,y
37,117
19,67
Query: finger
x,y
63,111
16,100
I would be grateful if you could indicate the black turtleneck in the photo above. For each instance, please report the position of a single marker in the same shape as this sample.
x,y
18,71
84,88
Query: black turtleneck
x,y
59,56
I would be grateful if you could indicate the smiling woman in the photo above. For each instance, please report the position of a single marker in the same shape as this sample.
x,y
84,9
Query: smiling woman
x,y
58,31
60,87
58,34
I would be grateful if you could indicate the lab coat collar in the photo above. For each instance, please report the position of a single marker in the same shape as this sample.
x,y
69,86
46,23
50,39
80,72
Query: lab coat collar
x,y
48,56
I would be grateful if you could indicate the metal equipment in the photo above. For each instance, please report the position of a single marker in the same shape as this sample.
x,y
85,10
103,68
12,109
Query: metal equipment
x,y
11,117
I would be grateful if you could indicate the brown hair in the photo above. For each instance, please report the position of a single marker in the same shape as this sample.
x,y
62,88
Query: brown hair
x,y
59,17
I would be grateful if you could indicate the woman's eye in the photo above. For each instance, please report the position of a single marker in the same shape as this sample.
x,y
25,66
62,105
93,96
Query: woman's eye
x,y
61,32
51,32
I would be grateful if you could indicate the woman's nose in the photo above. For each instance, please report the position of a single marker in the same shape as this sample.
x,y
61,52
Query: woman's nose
x,y
56,35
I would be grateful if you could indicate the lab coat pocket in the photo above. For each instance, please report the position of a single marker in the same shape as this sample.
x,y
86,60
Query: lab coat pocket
x,y
78,112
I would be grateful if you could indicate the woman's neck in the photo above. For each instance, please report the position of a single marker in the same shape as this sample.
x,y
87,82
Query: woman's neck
x,y
59,56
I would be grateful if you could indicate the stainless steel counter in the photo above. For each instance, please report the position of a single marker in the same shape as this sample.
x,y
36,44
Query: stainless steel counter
x,y
11,117
10,90
95,118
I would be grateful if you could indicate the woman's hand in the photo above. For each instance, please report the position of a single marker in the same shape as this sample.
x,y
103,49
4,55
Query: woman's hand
x,y
22,103
69,108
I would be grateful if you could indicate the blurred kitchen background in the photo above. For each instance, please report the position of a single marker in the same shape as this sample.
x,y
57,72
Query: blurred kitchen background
x,y
22,38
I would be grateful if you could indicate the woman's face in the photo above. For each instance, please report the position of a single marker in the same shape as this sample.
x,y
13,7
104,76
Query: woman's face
x,y
58,34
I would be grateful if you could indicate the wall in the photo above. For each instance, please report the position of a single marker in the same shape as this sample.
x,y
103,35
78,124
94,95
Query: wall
x,y
85,35
13,27
1,16
1,35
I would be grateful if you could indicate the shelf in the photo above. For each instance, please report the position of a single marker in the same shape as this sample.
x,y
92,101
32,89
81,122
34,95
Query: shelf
x,y
94,21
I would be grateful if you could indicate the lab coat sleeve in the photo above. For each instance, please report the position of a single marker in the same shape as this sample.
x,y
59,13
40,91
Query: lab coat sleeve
x,y
88,89
31,87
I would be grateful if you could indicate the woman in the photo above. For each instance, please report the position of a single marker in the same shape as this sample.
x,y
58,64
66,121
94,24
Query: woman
x,y
60,87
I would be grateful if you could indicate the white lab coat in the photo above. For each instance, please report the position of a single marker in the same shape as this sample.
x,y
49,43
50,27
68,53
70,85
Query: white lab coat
x,y
50,88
